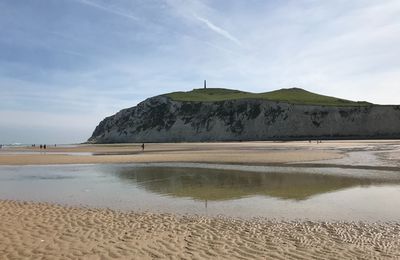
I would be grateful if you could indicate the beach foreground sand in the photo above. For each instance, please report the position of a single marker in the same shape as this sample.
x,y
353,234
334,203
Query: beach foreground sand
x,y
34,230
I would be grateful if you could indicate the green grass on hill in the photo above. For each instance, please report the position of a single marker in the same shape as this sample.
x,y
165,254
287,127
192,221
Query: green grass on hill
x,y
291,95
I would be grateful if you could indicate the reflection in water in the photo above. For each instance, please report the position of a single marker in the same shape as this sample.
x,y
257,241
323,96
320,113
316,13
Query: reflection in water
x,y
215,185
175,189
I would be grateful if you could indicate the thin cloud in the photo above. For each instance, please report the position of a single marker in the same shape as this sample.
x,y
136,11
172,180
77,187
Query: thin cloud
x,y
109,10
218,29
191,9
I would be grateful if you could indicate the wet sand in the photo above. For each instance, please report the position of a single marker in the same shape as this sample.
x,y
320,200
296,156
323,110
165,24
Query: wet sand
x,y
379,154
243,153
31,230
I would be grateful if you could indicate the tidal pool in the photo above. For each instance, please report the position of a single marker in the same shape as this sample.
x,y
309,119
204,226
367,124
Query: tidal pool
x,y
271,192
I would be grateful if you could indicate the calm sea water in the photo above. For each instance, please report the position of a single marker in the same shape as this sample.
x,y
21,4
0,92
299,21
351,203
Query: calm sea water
x,y
295,194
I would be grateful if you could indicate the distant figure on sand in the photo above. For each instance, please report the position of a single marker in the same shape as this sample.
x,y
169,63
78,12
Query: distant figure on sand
x,y
143,147
44,146
41,146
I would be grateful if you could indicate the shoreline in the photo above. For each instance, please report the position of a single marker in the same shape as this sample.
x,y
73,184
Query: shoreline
x,y
249,153
55,231
223,155
372,154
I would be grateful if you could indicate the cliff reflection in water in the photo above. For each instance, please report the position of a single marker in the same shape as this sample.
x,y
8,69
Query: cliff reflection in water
x,y
214,185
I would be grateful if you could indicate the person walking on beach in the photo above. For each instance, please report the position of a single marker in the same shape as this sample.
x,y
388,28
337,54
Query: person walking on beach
x,y
142,147
44,146
41,146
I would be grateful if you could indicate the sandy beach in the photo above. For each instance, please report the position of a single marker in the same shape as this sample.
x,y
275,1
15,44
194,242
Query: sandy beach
x,y
242,153
50,231
42,231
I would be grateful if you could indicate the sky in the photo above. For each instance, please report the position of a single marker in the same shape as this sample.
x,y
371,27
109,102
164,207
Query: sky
x,y
67,64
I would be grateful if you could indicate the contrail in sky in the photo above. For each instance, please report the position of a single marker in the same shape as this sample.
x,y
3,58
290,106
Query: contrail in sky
x,y
218,29
109,10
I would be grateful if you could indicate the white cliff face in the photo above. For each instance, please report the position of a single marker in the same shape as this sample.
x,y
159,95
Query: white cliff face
x,y
160,119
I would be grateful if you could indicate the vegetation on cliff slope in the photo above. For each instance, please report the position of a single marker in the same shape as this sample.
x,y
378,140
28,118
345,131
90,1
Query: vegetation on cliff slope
x,y
291,95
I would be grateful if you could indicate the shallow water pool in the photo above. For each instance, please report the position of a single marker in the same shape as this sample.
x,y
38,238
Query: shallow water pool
x,y
271,192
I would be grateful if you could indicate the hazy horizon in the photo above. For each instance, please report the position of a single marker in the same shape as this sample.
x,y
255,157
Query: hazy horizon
x,y
67,64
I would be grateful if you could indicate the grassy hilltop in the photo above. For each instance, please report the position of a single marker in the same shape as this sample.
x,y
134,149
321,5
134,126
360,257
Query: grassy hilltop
x,y
291,95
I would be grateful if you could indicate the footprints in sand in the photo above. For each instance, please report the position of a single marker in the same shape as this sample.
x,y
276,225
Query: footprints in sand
x,y
45,231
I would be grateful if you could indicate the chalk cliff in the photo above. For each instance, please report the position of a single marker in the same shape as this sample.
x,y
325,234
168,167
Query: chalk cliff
x,y
164,119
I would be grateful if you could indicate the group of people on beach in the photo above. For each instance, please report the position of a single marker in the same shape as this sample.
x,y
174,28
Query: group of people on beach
x,y
42,146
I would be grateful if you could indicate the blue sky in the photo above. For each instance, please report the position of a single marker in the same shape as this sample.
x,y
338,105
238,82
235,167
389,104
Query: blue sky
x,y
66,64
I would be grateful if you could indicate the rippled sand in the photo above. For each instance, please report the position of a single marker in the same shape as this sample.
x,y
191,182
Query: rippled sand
x,y
30,230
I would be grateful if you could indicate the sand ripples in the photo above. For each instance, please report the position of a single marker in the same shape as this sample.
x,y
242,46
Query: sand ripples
x,y
31,230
